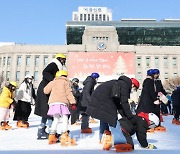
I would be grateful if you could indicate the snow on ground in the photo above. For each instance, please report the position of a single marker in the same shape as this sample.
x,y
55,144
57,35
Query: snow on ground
x,y
23,141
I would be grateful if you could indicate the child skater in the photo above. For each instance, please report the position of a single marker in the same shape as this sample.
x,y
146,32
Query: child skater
x,y
60,96
6,100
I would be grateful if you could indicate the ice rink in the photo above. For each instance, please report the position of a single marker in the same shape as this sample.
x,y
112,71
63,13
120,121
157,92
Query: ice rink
x,y
23,141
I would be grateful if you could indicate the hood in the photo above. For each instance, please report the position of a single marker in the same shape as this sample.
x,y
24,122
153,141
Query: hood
x,y
89,79
127,80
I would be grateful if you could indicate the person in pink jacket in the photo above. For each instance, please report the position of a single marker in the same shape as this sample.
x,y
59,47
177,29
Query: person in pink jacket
x,y
60,98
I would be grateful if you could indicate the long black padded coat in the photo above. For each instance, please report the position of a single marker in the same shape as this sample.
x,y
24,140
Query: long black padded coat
x,y
41,104
104,108
147,98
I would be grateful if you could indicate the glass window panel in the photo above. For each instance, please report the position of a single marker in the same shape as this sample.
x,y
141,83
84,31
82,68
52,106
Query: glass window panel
x,y
35,75
165,75
9,61
156,61
165,62
4,61
147,61
27,60
26,73
17,75
19,61
7,75
174,61
36,60
138,61
45,60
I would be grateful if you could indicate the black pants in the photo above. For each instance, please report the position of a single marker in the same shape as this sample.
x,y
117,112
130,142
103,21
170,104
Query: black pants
x,y
22,111
176,112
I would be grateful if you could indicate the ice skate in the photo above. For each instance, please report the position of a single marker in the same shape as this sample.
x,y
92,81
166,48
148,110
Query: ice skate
x,y
52,139
86,131
42,133
160,129
66,140
7,126
22,124
107,140
123,147
175,121
2,126
151,130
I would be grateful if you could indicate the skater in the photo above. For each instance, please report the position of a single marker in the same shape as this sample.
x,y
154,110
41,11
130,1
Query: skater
x,y
108,103
145,121
77,95
88,88
176,105
41,104
6,102
25,98
161,107
60,97
134,97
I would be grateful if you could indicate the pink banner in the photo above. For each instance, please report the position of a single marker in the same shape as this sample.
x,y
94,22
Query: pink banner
x,y
82,64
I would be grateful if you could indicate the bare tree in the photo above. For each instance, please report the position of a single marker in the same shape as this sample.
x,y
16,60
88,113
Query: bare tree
x,y
171,84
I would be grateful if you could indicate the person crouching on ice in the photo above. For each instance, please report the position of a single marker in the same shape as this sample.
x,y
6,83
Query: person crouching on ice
x,y
60,97
6,100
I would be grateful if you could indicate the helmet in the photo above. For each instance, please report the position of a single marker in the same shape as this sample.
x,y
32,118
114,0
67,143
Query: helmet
x,y
28,76
13,83
61,73
156,71
135,82
60,55
75,80
154,120
150,72
95,75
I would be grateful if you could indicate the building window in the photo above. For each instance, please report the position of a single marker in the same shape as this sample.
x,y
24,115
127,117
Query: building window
x,y
139,76
26,73
88,17
147,61
36,60
92,17
139,61
9,61
35,75
27,60
19,61
45,60
7,75
156,61
174,61
4,61
165,62
100,17
17,75
84,17
96,16
165,75
107,18
175,74
104,17
81,16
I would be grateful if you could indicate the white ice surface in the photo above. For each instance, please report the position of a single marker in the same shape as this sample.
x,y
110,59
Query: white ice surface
x,y
23,141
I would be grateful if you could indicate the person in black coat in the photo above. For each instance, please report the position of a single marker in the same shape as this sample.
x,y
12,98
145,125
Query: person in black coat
x,y
41,104
148,95
105,106
88,88
176,105
77,95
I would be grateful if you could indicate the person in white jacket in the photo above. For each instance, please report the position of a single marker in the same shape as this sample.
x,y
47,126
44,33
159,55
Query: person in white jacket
x,y
25,97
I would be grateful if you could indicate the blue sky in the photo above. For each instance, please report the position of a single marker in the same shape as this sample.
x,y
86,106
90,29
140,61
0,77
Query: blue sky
x,y
43,21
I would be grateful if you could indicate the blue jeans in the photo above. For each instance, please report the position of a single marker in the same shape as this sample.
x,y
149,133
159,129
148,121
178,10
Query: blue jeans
x,y
117,134
103,126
